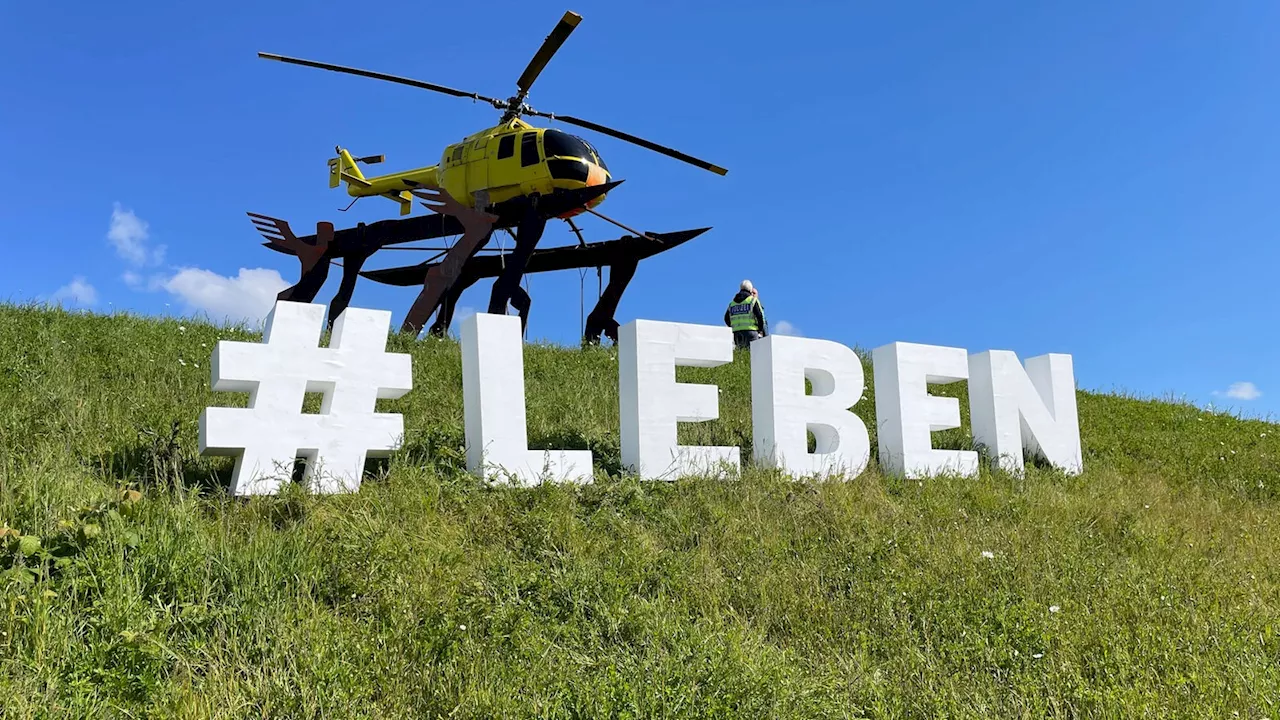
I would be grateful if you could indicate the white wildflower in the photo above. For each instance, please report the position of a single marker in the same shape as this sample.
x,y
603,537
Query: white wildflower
x,y
988,554
1054,608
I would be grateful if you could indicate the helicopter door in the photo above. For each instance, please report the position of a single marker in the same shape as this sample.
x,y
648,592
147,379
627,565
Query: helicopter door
x,y
478,165
452,175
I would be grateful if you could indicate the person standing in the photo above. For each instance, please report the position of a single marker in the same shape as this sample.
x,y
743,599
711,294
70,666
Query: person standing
x,y
745,316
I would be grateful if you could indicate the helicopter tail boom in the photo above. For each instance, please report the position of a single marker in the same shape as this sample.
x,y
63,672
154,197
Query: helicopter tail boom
x,y
345,169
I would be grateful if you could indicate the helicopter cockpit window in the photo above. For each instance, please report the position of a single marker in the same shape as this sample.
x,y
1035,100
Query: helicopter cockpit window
x,y
506,146
529,149
565,169
563,144
598,160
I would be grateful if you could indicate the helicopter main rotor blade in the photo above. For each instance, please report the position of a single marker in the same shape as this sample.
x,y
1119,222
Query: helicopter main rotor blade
x,y
669,152
550,46
382,76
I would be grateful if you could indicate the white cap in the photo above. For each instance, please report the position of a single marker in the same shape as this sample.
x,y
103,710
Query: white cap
x,y
746,285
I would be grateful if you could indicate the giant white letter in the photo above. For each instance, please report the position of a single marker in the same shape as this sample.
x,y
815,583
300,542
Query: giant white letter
x,y
906,413
493,397
651,402
781,412
1012,409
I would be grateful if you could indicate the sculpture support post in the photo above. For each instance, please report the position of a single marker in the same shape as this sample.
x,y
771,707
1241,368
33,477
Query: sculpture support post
x,y
601,320
351,266
528,233
444,318
440,279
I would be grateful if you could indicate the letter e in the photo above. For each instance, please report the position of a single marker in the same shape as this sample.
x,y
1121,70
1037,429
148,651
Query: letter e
x,y
906,413
651,402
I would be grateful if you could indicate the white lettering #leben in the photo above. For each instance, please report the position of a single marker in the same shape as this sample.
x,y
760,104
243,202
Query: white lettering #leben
x,y
1016,411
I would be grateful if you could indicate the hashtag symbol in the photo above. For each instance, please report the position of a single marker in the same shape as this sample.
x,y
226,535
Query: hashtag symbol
x,y
272,432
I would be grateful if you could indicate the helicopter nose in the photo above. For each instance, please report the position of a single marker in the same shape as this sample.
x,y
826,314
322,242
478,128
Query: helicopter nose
x,y
596,175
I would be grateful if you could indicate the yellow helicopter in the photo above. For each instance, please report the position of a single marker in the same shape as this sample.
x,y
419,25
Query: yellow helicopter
x,y
509,161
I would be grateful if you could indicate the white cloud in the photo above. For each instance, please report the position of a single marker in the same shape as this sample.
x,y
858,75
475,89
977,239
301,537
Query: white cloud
x,y
460,313
77,291
1243,391
129,234
151,284
247,297
782,327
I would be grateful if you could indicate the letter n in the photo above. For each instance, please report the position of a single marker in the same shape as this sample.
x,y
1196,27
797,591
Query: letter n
x,y
1013,409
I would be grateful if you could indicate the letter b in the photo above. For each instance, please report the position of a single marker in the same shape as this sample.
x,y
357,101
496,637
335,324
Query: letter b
x,y
781,412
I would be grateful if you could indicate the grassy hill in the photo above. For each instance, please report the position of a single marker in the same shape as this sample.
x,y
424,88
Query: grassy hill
x,y
132,586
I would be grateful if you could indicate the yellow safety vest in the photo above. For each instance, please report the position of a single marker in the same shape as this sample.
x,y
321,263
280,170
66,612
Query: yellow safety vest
x,y
742,316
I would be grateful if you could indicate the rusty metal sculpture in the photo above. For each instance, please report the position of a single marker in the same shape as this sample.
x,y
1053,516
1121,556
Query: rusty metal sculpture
x,y
444,277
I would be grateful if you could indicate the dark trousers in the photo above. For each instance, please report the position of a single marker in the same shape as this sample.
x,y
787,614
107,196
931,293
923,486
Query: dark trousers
x,y
742,338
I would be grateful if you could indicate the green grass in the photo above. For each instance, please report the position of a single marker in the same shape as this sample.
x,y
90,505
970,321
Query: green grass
x,y
428,594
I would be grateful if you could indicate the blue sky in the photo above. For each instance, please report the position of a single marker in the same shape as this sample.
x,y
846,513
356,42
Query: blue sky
x,y
1097,179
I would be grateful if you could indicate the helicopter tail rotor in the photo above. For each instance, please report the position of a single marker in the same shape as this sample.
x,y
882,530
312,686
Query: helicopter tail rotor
x,y
343,168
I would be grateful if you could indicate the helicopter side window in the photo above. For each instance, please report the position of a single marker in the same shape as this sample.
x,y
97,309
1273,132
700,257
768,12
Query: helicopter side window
x,y
506,146
529,149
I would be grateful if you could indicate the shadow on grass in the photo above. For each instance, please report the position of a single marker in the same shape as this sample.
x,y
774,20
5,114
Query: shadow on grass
x,y
157,460
163,459
605,451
